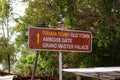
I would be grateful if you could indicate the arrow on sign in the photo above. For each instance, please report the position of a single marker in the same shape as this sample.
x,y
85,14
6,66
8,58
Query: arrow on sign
x,y
38,38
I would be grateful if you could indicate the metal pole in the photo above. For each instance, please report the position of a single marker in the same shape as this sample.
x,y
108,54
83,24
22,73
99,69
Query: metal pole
x,y
35,66
98,76
60,65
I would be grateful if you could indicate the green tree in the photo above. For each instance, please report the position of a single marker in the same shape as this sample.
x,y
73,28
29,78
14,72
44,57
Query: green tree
x,y
7,49
101,17
24,65
6,53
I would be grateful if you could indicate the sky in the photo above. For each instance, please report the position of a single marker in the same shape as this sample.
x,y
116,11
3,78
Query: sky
x,y
19,7
19,10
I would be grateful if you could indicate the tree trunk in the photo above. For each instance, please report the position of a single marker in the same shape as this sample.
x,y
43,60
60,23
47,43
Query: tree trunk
x,y
8,63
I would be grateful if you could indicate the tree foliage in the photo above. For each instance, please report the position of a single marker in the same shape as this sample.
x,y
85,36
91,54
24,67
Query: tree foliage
x,y
6,48
101,17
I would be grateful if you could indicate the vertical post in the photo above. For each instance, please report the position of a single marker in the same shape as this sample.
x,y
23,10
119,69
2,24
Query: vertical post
x,y
98,76
78,77
35,66
60,65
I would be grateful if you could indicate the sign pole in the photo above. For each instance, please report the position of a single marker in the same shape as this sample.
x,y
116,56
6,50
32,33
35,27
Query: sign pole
x,y
35,66
60,65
